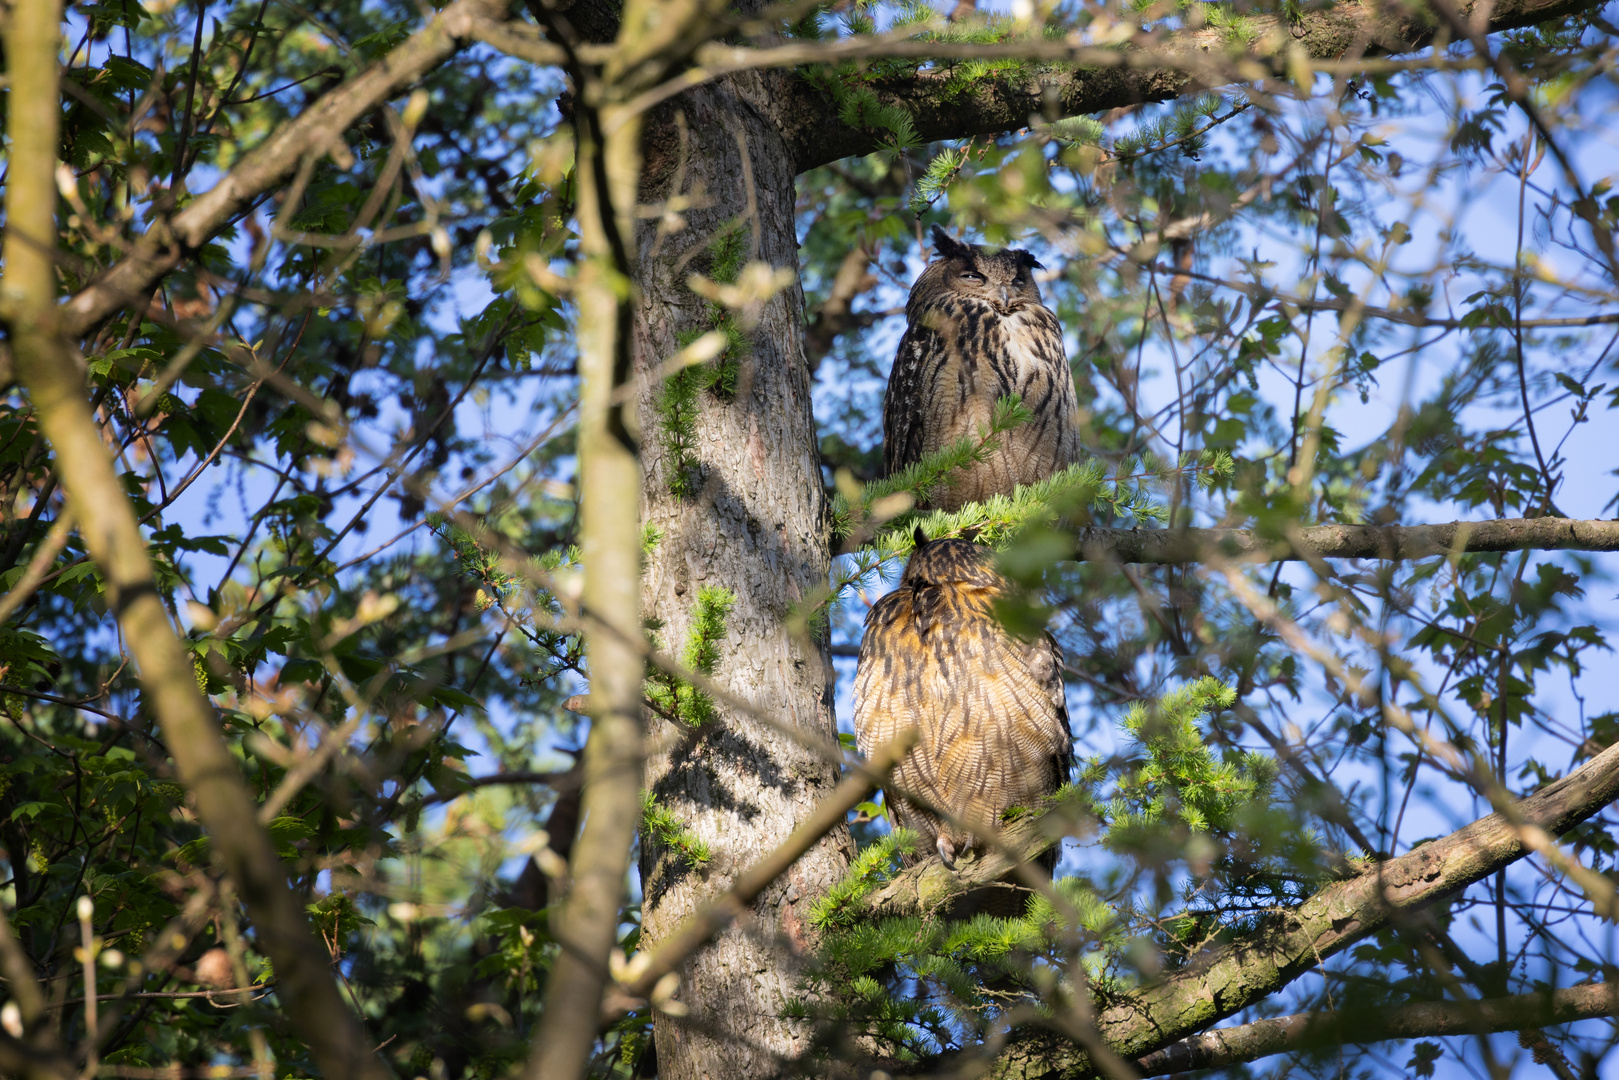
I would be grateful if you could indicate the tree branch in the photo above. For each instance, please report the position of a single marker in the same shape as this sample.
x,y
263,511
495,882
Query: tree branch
x,y
1394,542
1229,978
1413,1020
112,535
312,133
1262,296
1152,68
929,887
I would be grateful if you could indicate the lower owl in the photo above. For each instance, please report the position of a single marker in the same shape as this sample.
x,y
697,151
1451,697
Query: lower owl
x,y
989,708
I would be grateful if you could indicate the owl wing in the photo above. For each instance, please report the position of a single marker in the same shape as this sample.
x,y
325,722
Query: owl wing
x,y
1044,661
903,419
876,721
899,686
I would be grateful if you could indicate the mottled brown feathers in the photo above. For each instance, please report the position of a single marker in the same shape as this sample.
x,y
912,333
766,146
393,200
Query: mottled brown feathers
x,y
989,707
977,331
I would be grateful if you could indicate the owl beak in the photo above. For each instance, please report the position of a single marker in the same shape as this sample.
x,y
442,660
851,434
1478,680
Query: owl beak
x,y
1006,297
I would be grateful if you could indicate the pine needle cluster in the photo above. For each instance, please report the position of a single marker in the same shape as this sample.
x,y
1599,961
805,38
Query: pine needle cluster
x,y
1033,514
661,826
1185,129
673,697
519,592
920,986
1180,780
875,863
678,700
851,85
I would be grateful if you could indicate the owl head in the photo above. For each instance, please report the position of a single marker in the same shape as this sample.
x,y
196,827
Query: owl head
x,y
950,562
1004,280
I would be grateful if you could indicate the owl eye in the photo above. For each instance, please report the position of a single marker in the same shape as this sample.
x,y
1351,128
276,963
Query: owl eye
x,y
1018,281
972,275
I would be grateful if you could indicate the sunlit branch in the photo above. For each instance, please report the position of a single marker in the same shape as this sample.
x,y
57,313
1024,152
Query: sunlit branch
x,y
1418,1019
1153,67
1227,978
1386,542
1258,294
111,533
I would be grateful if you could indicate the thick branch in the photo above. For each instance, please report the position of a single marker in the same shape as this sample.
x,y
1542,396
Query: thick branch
x,y
1347,541
1415,1020
1229,978
316,131
586,928
1192,60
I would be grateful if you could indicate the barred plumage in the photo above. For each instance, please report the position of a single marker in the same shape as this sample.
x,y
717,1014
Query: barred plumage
x,y
977,331
989,707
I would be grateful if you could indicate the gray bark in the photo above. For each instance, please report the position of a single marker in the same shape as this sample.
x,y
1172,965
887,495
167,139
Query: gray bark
x,y
757,527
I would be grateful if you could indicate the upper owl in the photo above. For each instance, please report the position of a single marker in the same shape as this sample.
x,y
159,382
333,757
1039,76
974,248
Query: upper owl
x,y
977,331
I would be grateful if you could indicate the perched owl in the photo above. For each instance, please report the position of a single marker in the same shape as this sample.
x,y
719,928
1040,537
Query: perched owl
x,y
976,332
989,707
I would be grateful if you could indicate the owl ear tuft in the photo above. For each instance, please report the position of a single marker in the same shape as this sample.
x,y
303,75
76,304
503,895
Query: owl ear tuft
x,y
1028,261
919,538
948,247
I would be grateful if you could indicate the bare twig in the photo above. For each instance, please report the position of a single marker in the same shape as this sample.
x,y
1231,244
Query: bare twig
x,y
644,976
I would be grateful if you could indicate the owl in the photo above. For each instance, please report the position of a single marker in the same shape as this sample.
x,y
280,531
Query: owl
x,y
989,707
977,331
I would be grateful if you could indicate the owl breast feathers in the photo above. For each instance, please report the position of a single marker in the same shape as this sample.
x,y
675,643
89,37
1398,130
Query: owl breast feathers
x,y
977,331
989,708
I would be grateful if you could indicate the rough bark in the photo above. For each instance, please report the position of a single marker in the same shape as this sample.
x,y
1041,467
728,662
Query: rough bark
x,y
1413,1020
1393,542
755,527
745,888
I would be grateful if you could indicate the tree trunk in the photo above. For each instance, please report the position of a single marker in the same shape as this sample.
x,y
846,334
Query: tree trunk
x,y
755,524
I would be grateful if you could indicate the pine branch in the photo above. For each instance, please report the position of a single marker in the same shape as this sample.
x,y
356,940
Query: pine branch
x,y
929,887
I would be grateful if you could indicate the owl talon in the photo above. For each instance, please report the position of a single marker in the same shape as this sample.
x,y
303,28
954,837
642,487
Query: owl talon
x,y
947,852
